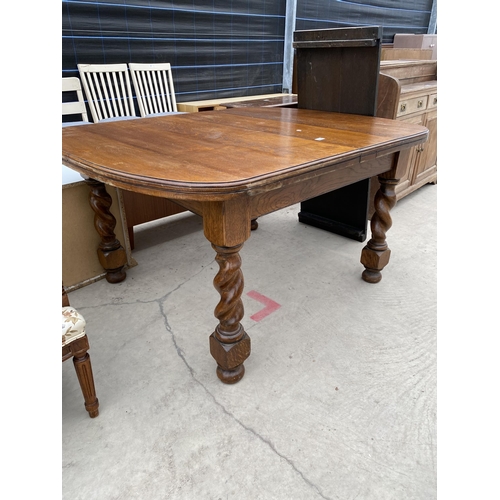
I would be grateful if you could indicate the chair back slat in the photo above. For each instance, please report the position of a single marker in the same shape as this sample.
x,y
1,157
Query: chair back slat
x,y
150,103
171,96
116,99
164,80
139,88
164,91
110,98
153,86
100,102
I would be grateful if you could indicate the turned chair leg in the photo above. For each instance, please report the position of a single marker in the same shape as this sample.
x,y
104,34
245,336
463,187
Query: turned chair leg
x,y
83,368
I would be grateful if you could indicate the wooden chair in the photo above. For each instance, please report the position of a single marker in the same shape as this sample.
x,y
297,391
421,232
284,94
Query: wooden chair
x,y
74,107
76,344
73,104
108,91
154,88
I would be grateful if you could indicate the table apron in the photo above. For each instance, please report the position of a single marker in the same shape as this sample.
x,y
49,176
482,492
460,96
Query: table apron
x,y
285,192
306,186
323,181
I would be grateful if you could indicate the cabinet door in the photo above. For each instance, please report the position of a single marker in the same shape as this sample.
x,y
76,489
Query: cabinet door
x,y
406,180
426,163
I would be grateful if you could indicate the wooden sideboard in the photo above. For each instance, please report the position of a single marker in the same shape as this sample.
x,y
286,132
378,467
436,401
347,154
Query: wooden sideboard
x,y
408,92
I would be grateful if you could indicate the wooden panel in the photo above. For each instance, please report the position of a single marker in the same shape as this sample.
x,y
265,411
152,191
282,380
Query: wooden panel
x,y
410,71
140,208
341,79
215,104
426,167
284,101
391,54
407,40
317,186
389,90
407,178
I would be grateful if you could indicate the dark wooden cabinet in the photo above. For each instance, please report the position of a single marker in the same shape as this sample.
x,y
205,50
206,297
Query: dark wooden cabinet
x,y
337,70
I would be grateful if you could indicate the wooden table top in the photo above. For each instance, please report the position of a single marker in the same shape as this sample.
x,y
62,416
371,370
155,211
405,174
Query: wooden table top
x,y
221,153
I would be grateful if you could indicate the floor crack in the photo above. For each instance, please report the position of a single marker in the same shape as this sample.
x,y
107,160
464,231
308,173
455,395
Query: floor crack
x,y
161,301
228,413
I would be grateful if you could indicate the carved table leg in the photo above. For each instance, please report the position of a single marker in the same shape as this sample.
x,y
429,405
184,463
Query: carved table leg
x,y
111,254
229,343
376,253
254,224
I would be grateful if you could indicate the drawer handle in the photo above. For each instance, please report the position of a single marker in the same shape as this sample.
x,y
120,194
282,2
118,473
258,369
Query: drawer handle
x,y
403,107
435,100
420,104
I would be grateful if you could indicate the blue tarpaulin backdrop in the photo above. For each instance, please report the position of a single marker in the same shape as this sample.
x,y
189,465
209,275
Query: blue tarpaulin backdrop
x,y
218,48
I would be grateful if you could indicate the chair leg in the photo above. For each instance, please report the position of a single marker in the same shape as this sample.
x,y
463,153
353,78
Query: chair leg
x,y
83,369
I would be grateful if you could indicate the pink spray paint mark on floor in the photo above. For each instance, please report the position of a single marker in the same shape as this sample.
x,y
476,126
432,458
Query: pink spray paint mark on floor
x,y
270,305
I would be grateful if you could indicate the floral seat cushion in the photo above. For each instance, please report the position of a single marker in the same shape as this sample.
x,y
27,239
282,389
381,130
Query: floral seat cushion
x,y
73,325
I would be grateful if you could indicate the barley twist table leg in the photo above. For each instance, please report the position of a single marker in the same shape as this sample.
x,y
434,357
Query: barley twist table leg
x,y
111,254
375,255
229,343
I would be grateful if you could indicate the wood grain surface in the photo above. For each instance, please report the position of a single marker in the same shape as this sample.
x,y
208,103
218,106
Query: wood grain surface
x,y
225,152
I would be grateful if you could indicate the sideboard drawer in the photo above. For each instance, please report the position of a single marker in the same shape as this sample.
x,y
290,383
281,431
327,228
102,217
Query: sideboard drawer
x,y
409,106
433,101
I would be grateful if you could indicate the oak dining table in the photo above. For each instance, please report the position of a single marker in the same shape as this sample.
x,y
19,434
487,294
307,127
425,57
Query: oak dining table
x,y
231,167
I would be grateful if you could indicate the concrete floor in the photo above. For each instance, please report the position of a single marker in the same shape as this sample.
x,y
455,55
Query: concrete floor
x,y
339,396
